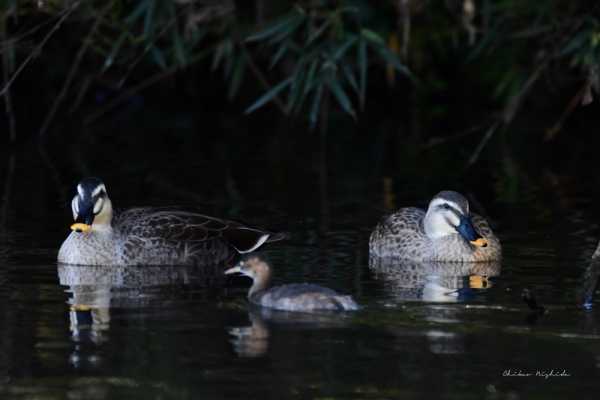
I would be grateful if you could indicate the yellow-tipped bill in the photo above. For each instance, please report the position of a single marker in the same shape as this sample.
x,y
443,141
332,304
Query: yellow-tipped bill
x,y
80,308
237,268
79,227
479,282
481,242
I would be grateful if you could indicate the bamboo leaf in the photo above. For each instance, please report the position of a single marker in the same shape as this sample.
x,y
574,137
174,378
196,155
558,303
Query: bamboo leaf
x,y
349,77
158,57
149,18
178,45
362,64
341,50
391,58
280,52
310,75
317,52
371,36
576,42
341,96
137,11
321,29
287,32
314,112
224,49
12,7
493,33
236,77
115,49
10,48
295,94
270,95
273,29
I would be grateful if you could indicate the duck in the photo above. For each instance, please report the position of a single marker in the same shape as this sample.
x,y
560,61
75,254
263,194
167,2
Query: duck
x,y
152,235
447,232
302,297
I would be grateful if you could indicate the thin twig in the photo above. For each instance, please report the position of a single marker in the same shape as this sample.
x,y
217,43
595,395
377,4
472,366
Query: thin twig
x,y
63,93
483,141
510,110
550,133
33,30
261,78
439,139
39,47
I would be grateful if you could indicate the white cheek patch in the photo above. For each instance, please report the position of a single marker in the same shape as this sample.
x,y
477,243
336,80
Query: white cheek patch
x,y
441,222
441,227
75,206
98,205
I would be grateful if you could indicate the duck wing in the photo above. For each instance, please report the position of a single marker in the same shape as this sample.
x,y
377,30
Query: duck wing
x,y
189,225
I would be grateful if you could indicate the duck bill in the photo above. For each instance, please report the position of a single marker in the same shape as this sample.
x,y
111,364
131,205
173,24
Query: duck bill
x,y
237,268
79,227
467,229
85,218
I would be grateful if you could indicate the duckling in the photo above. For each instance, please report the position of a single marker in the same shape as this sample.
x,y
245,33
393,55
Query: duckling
x,y
446,232
152,235
291,297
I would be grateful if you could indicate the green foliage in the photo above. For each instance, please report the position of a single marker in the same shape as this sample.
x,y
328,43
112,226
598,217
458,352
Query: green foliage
x,y
309,51
325,47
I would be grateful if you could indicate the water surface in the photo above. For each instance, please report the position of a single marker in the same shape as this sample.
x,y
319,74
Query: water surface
x,y
184,333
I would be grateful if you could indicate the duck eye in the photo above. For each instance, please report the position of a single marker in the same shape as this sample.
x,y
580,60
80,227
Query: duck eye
x,y
446,206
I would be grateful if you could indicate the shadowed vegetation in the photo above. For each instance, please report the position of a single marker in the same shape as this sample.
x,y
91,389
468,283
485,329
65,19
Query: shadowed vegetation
x,y
449,69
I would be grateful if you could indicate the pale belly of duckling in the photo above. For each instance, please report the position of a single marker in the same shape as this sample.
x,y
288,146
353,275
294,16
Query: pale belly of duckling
x,y
303,297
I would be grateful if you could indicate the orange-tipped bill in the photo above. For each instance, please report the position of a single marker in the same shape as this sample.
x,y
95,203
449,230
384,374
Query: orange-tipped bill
x,y
481,242
79,227
467,229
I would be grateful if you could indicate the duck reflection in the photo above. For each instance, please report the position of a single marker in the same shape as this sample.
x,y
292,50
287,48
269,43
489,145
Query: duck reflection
x,y
95,289
590,282
433,281
253,340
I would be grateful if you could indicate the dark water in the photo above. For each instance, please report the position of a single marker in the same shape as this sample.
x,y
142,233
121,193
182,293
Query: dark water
x,y
183,333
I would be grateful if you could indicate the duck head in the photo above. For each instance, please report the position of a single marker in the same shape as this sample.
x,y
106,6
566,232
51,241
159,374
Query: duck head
x,y
91,206
448,214
254,264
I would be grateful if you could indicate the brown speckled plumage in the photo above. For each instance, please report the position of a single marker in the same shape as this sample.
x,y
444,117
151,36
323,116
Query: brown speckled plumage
x,y
403,234
154,235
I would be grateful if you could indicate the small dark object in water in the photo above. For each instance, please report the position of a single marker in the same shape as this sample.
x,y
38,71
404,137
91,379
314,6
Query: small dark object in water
x,y
590,283
532,303
291,297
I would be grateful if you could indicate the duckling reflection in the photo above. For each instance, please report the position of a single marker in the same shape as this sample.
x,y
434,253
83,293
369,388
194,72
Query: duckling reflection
x,y
292,297
433,281
95,289
253,340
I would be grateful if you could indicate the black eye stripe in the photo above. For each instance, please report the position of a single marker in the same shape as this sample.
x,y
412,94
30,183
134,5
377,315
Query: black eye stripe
x,y
448,221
